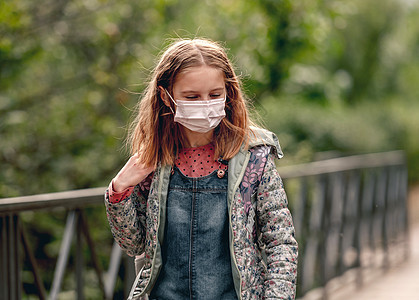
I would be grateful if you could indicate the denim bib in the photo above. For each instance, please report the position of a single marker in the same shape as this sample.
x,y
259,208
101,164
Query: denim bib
x,y
195,250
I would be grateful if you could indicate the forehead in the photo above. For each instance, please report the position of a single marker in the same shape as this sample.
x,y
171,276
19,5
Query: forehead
x,y
201,78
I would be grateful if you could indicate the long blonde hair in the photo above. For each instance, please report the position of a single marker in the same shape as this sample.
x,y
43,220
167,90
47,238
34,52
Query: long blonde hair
x,y
156,137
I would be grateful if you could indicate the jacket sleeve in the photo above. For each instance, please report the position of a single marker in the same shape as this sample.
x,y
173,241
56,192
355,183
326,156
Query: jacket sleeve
x,y
277,235
127,219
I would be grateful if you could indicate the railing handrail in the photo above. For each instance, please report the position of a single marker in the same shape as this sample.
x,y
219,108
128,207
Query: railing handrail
x,y
67,199
340,164
76,198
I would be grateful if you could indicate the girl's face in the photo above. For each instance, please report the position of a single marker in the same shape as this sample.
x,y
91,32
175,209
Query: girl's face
x,y
199,83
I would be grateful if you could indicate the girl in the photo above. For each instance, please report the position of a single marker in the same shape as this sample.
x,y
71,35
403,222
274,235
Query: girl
x,y
201,196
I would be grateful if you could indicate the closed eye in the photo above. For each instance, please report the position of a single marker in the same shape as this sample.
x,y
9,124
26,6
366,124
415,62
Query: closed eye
x,y
212,96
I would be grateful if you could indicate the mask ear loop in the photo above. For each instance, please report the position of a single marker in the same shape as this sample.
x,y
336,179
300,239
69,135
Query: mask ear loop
x,y
170,96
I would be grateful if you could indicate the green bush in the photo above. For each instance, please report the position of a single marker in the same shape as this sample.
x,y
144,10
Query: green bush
x,y
305,128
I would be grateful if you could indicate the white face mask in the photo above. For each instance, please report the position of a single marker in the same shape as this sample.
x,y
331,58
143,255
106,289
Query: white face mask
x,y
199,116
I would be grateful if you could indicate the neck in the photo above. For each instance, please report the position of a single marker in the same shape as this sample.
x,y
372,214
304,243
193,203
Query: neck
x,y
197,139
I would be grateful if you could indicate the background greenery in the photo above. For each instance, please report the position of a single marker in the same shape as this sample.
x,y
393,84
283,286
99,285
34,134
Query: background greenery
x,y
329,77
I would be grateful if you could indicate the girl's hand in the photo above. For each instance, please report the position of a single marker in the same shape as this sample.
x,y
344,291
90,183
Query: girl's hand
x,y
131,174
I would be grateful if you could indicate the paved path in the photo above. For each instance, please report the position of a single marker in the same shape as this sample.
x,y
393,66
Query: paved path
x,y
398,283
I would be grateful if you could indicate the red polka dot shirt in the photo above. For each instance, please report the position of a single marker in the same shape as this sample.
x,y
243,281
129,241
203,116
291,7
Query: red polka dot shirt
x,y
198,161
192,162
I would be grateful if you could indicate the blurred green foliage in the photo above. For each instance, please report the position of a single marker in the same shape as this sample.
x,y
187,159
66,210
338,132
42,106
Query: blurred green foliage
x,y
326,76
71,71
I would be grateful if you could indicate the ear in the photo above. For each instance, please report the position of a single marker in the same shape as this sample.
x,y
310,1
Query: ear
x,y
164,96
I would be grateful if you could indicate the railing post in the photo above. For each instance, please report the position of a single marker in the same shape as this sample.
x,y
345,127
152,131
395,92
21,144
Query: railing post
x,y
31,258
300,204
367,205
385,174
334,228
402,196
11,281
63,256
315,238
3,258
351,220
112,273
298,213
79,257
84,228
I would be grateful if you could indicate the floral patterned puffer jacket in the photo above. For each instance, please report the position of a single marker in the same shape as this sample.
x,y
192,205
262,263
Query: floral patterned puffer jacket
x,y
262,243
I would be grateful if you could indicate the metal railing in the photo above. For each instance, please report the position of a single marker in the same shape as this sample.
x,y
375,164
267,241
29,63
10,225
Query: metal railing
x,y
13,239
350,213
342,208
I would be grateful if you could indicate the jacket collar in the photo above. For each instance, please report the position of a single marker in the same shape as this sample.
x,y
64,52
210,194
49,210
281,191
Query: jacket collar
x,y
259,136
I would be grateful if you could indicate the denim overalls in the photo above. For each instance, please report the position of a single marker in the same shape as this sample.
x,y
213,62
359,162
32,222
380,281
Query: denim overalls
x,y
195,250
